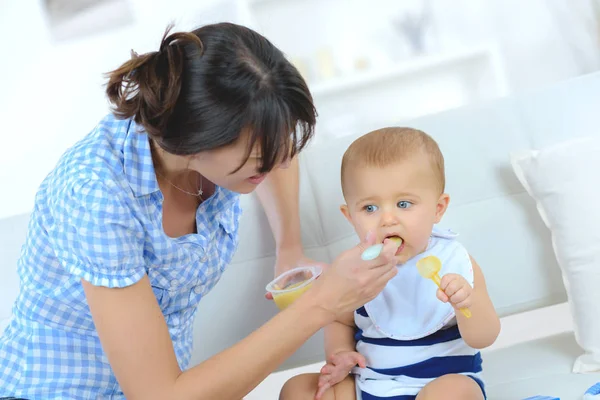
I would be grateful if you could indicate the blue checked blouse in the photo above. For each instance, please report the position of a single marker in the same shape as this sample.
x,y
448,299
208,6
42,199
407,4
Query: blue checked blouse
x,y
98,216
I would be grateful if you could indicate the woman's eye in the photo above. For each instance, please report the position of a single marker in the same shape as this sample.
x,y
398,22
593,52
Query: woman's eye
x,y
404,204
370,208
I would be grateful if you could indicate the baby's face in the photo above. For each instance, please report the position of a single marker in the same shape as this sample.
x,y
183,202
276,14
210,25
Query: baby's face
x,y
402,200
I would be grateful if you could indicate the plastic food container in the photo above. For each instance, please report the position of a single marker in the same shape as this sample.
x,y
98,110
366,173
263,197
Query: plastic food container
x,y
287,287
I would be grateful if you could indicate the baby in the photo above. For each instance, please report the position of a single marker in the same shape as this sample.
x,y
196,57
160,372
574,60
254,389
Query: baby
x,y
407,343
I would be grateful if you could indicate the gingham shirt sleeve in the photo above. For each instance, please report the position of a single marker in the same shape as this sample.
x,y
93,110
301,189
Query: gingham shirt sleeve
x,y
96,236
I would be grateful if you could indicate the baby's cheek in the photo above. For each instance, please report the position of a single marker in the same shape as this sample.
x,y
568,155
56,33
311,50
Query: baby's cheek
x,y
421,239
361,233
362,227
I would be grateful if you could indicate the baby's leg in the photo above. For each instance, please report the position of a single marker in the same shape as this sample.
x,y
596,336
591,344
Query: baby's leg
x,y
304,387
451,387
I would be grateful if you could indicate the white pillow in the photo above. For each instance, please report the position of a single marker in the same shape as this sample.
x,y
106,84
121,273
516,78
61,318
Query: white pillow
x,y
564,180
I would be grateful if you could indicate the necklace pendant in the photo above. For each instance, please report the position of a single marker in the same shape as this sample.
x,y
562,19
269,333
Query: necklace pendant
x,y
200,192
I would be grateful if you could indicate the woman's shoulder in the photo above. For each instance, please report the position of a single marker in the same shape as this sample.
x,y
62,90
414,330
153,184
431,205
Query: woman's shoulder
x,y
100,150
93,170
101,154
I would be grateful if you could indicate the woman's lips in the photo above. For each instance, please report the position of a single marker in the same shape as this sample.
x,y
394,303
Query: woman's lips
x,y
256,179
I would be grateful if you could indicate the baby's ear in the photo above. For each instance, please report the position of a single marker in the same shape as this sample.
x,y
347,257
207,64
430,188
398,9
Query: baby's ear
x,y
344,209
441,207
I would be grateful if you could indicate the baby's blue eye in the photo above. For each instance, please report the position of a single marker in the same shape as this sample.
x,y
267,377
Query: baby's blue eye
x,y
404,204
370,208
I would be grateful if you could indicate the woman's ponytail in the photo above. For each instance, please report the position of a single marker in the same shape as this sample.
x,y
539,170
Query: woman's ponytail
x,y
147,87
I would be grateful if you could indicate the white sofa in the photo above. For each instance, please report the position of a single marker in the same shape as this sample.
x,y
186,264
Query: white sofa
x,y
496,218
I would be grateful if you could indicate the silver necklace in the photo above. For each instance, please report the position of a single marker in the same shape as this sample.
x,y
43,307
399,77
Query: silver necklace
x,y
197,194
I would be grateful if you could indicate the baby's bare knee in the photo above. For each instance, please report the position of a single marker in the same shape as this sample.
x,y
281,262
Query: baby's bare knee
x,y
451,387
300,387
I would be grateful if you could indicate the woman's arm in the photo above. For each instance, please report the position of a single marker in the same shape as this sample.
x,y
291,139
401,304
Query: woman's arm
x,y
482,329
136,340
279,196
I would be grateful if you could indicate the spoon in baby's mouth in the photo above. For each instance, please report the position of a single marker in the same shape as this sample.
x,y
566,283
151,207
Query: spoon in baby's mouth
x,y
374,251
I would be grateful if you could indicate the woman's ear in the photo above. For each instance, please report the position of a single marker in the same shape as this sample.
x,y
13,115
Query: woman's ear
x,y
441,207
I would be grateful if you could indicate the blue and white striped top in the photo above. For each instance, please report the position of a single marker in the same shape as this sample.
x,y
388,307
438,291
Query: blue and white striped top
x,y
407,336
98,216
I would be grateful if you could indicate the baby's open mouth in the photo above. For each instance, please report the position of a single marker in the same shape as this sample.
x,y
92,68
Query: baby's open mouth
x,y
398,240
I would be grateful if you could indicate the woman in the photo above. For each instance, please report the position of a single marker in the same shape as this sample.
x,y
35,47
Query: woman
x,y
138,220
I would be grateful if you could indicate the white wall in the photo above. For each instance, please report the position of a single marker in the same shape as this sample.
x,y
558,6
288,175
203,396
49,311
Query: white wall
x,y
52,94
542,41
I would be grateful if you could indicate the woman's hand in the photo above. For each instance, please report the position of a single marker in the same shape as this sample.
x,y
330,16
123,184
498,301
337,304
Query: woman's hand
x,y
290,258
350,282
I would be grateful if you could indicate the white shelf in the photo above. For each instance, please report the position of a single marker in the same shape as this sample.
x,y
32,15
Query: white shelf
x,y
261,2
339,85
353,100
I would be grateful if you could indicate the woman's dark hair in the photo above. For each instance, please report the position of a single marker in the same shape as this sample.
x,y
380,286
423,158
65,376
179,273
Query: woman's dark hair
x,y
201,89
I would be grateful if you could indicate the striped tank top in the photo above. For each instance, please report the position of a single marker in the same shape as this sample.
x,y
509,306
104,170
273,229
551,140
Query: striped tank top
x,y
407,336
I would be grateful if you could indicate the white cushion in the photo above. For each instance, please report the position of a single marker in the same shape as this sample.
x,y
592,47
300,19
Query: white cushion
x,y
563,180
538,367
12,237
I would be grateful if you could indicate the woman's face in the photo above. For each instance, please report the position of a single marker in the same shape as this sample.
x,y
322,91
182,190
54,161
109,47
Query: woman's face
x,y
218,165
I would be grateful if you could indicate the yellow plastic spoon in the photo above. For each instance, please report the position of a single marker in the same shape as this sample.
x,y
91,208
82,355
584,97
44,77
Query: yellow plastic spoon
x,y
429,268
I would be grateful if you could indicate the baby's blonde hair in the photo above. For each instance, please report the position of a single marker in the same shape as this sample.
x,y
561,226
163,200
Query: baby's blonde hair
x,y
387,146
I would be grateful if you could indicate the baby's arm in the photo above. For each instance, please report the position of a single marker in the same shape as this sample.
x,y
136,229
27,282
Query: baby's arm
x,y
341,354
482,329
339,335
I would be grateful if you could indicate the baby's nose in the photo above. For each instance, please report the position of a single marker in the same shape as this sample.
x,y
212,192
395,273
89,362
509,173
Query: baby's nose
x,y
390,219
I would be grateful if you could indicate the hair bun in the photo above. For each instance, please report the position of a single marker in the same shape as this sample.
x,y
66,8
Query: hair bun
x,y
147,87
178,37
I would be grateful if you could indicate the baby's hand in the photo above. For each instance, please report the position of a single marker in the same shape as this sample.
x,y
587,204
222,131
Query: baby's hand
x,y
456,290
337,369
